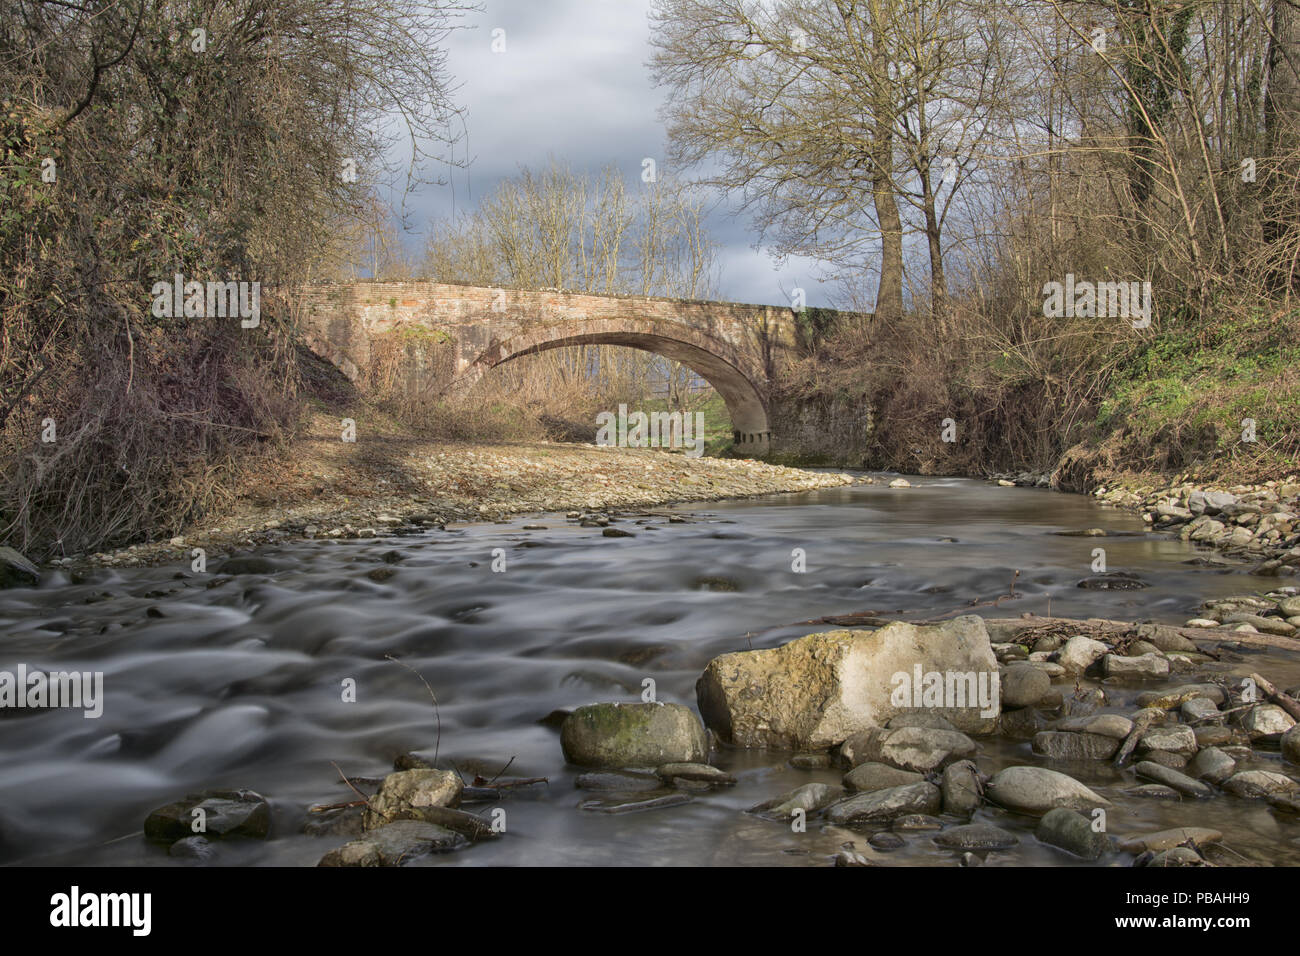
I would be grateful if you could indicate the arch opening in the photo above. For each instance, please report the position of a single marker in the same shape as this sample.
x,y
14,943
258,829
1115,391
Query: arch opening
x,y
751,431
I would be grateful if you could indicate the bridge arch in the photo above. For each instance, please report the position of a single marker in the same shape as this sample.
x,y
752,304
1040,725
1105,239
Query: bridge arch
x,y
713,359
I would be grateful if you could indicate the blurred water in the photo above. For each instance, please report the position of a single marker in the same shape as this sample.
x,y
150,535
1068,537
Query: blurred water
x,y
239,685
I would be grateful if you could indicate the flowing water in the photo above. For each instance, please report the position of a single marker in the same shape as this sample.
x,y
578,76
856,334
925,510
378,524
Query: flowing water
x,y
240,684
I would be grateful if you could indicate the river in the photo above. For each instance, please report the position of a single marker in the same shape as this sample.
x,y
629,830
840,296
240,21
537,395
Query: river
x,y
240,684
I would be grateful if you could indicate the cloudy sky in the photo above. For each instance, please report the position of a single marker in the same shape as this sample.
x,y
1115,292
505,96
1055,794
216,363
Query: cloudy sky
x,y
573,84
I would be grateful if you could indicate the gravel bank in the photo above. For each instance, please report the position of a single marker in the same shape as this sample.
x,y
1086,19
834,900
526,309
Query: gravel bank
x,y
355,490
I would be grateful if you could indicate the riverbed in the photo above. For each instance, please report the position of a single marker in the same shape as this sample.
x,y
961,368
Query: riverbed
x,y
216,681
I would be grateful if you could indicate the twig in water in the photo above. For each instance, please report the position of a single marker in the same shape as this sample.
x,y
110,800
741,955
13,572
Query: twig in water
x,y
326,807
437,745
364,799
503,769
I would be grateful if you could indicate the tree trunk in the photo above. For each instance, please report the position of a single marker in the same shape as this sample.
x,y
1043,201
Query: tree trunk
x,y
938,280
1281,219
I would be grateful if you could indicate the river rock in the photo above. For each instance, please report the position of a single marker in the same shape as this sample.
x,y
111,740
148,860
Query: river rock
x,y
1062,745
809,798
1116,726
1037,790
1217,736
1144,667
886,840
1173,778
1024,685
16,571
1177,696
1113,581
1266,720
1211,764
622,781
1168,839
852,858
633,802
976,836
961,788
882,806
817,691
872,775
911,748
1291,744
1202,711
1264,625
812,761
1178,739
404,794
1166,758
1023,723
1165,638
1178,856
1072,832
633,735
1260,783
696,773
394,844
224,813
1080,653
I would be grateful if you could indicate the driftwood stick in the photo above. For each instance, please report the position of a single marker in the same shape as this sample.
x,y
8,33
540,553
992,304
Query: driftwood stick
x,y
326,807
1140,726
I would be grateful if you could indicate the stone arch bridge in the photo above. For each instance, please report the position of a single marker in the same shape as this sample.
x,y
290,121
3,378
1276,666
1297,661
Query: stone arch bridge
x,y
736,348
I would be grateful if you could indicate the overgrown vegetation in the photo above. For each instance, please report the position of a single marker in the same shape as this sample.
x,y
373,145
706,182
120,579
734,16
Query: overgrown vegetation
x,y
950,158
154,138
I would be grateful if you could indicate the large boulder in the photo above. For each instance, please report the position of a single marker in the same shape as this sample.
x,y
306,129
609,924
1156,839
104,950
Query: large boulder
x,y
633,735
815,692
